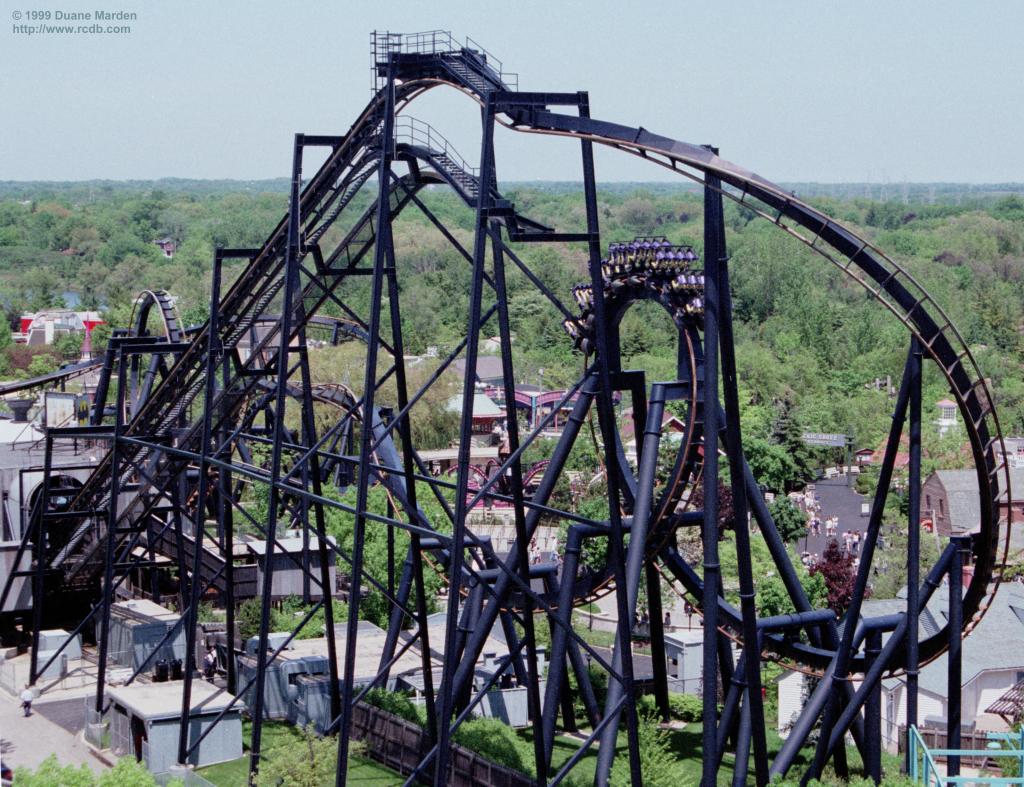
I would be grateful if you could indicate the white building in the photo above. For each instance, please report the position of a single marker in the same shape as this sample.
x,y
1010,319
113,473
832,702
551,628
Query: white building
x,y
947,419
993,662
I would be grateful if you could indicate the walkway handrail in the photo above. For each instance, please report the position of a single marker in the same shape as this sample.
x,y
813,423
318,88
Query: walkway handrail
x,y
924,771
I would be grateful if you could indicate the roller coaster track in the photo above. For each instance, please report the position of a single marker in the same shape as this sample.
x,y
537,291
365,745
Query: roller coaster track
x,y
418,64
349,166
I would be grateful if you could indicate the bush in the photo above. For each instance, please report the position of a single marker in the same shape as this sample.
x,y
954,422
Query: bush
x,y
789,520
685,707
52,772
393,702
308,763
657,762
126,773
492,739
681,707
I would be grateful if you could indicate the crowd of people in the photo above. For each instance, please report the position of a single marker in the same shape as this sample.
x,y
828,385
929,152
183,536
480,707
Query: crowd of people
x,y
850,541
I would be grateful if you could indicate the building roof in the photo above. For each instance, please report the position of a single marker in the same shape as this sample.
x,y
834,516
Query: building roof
x,y
144,610
994,644
488,367
684,637
1010,704
483,406
292,545
19,432
962,494
476,453
156,701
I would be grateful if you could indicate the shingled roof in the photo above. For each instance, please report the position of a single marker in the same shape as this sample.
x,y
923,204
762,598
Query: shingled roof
x,y
962,494
995,644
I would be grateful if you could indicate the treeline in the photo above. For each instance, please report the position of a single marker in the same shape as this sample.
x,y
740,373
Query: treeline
x,y
809,340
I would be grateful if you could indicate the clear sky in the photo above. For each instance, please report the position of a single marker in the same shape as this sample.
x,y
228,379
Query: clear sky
x,y
797,90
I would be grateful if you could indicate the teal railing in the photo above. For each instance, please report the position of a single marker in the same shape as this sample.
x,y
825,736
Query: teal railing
x,y
925,771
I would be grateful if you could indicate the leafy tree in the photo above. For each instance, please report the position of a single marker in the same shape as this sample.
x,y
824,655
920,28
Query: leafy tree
x,y
493,739
789,520
374,606
5,333
837,570
51,772
42,364
726,515
249,616
127,772
657,760
393,702
308,762
771,464
68,346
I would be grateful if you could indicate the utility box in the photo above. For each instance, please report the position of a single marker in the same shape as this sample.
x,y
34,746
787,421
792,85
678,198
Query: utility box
x,y
139,631
145,720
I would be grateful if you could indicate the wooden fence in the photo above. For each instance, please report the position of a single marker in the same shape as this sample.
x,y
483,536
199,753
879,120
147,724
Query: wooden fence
x,y
937,738
401,745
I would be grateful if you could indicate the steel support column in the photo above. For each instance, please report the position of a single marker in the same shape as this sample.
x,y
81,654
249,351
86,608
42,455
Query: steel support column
x,y
291,294
873,713
954,686
709,530
111,535
754,706
456,557
606,420
518,497
658,662
914,533
191,612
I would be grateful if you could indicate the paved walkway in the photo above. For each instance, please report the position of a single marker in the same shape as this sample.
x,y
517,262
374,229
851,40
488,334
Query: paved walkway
x,y
836,499
29,741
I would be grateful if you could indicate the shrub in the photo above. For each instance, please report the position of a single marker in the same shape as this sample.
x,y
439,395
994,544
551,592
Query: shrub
x,y
657,763
393,702
685,707
492,739
682,707
126,773
307,763
50,772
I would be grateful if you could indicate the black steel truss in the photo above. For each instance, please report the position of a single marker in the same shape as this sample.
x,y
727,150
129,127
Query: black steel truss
x,y
184,427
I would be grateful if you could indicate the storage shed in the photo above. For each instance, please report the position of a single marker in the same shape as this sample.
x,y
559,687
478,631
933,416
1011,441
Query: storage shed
x,y
145,719
683,651
137,628
288,562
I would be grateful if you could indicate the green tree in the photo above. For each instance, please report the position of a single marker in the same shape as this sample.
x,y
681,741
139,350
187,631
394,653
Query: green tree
x,y
657,760
395,703
5,333
68,346
51,772
789,520
493,739
127,772
771,464
42,364
308,762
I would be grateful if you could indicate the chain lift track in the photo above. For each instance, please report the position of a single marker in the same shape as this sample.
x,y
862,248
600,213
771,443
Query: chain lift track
x,y
180,446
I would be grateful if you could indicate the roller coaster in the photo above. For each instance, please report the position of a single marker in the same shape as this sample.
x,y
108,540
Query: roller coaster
x,y
191,406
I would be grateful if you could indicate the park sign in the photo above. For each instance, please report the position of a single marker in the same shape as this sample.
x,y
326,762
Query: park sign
x,y
824,438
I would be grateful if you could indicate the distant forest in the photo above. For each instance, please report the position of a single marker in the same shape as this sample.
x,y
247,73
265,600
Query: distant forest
x,y
810,342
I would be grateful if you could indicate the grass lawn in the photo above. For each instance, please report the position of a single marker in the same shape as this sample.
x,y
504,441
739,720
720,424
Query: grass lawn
x,y
361,771
686,744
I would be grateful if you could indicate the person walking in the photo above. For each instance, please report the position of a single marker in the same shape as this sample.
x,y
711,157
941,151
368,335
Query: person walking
x,y
210,665
26,700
